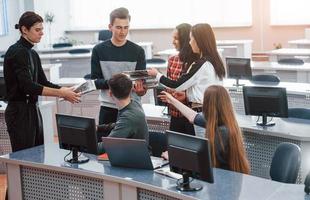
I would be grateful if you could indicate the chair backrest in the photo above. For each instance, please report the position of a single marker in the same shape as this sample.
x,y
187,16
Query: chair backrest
x,y
87,77
104,35
285,163
155,60
61,45
76,51
266,78
291,61
158,143
301,113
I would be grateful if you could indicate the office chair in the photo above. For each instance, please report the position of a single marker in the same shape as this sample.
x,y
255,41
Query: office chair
x,y
155,60
158,143
266,78
291,61
77,51
285,163
301,113
87,77
61,45
104,35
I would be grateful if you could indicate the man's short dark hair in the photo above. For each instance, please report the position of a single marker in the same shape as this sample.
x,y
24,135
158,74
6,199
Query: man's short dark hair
x,y
120,85
121,13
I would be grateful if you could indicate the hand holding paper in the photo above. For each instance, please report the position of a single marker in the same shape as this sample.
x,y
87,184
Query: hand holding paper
x,y
85,87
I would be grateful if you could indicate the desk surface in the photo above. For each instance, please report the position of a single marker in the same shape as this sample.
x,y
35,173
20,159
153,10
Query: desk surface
x,y
300,41
291,88
291,128
228,185
82,46
290,51
277,66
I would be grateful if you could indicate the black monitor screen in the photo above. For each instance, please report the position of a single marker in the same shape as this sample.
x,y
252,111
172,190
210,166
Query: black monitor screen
x,y
265,101
239,68
77,133
2,88
189,156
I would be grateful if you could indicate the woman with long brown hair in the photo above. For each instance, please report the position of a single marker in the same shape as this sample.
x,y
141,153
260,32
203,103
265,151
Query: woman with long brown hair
x,y
222,129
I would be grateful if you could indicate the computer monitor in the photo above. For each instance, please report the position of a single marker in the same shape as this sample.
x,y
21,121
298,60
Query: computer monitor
x,y
239,68
189,156
77,134
265,101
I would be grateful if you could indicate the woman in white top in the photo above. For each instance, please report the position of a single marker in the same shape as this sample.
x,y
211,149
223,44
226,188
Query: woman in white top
x,y
207,70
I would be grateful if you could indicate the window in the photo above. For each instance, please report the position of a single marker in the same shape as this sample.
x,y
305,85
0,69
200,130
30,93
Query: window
x,y
88,14
3,18
288,12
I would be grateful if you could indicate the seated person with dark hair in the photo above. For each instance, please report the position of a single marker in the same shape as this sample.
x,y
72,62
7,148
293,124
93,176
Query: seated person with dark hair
x,y
131,122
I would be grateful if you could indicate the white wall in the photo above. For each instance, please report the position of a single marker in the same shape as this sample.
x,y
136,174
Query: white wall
x,y
13,10
60,9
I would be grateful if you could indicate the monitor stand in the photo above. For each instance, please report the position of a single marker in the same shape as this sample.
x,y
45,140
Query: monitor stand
x,y
237,83
186,186
264,121
75,158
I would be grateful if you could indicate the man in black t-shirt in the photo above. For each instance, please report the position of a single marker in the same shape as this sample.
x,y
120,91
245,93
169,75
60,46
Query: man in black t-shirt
x,y
116,54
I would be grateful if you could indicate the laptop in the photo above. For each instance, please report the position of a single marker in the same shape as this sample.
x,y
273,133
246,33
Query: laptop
x,y
131,153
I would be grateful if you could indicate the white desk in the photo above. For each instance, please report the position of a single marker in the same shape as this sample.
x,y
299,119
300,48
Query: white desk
x,y
64,49
277,54
148,49
46,69
286,73
244,47
165,54
300,44
233,48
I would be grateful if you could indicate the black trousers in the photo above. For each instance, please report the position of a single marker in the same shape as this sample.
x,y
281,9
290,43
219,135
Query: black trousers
x,y
24,125
107,115
182,125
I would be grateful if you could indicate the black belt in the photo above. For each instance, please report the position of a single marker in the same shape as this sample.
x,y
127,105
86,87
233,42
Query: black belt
x,y
23,102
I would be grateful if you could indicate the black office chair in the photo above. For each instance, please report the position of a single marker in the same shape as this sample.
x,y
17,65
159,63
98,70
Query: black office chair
x,y
301,113
155,60
104,35
285,163
266,78
158,143
77,51
291,61
62,45
87,77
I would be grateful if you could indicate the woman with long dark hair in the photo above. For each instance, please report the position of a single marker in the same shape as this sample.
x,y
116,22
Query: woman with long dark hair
x,y
222,129
177,65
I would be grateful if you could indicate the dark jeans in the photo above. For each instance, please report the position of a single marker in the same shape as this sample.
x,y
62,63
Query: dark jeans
x,y
182,125
24,125
107,115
